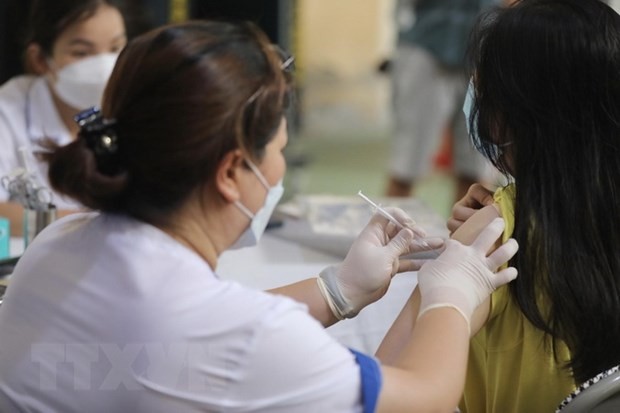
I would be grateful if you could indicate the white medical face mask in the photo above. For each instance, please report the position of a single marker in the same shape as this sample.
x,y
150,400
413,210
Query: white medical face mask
x,y
259,220
81,84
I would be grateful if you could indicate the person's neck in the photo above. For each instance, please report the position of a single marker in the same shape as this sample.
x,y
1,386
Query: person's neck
x,y
66,113
199,243
191,229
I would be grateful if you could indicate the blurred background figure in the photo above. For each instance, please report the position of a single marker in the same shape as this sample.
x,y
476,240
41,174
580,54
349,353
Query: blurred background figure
x,y
67,49
139,15
41,91
429,84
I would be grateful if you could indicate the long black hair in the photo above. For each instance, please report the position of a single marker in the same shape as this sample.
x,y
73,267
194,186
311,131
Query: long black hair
x,y
547,90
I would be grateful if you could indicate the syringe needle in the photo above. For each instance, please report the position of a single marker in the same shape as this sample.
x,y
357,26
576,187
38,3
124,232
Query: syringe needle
x,y
389,216
381,210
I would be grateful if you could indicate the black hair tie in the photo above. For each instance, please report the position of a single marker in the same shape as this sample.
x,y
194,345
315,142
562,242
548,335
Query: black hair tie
x,y
101,137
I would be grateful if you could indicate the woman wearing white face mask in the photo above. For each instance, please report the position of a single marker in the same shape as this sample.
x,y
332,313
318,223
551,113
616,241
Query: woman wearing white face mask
x,y
184,162
72,46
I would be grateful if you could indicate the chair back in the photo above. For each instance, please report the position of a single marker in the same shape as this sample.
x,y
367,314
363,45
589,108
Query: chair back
x,y
600,394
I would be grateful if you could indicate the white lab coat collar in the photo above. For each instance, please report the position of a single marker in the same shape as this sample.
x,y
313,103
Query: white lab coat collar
x,y
42,117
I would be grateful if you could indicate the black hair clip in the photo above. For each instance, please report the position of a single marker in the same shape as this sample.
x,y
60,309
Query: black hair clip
x,y
100,136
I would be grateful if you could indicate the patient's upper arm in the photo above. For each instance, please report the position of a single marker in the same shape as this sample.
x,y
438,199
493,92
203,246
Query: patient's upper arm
x,y
470,229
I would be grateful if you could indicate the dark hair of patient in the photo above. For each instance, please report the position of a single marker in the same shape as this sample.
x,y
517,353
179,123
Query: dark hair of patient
x,y
547,77
182,96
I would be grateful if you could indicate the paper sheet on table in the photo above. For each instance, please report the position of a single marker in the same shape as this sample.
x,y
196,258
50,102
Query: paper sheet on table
x,y
331,223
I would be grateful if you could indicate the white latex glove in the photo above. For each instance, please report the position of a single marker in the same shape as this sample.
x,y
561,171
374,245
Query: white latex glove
x,y
464,276
365,274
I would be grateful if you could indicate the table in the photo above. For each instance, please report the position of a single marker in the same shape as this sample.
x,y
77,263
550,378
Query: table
x,y
275,262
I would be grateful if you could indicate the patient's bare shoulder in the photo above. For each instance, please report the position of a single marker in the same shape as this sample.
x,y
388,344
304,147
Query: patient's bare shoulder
x,y
470,229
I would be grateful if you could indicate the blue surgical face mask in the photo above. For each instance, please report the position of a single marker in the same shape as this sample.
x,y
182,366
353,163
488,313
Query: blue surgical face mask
x,y
258,221
468,106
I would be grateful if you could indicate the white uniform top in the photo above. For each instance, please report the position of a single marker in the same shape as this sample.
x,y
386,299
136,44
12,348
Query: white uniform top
x,y
108,314
28,115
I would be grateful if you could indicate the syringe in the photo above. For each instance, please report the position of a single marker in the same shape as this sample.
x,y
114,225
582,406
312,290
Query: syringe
x,y
416,230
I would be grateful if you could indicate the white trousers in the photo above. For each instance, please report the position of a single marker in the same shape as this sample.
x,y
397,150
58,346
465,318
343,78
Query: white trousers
x,y
427,97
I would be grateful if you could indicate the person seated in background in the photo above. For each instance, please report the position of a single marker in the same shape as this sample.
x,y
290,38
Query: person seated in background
x,y
71,48
544,108
122,310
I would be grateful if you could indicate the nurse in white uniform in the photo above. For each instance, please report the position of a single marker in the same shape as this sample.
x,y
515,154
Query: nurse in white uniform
x,y
71,49
122,310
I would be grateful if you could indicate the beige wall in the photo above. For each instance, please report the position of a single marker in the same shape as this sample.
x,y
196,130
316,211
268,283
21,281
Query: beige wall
x,y
343,37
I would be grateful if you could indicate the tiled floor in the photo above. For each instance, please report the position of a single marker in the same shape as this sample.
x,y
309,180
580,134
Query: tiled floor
x,y
343,144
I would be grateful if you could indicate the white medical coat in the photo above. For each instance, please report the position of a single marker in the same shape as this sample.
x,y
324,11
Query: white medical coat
x,y
27,116
108,314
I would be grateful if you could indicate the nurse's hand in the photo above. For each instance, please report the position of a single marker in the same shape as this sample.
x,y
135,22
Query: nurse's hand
x,y
477,197
375,256
463,276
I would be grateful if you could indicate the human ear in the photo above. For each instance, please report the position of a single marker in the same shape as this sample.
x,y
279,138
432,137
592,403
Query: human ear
x,y
227,175
35,61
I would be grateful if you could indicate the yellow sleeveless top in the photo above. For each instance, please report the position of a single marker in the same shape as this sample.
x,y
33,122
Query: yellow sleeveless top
x,y
511,367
